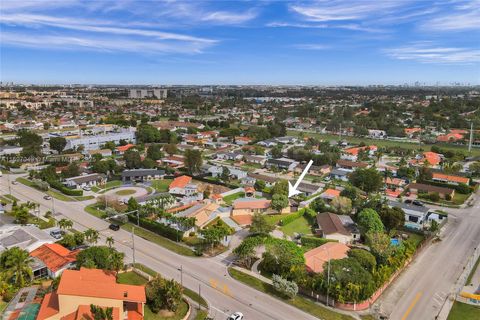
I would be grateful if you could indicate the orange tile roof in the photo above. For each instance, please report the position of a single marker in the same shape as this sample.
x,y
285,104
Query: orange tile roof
x,y
83,313
412,130
356,150
450,137
125,147
243,219
180,182
315,258
451,178
432,157
251,204
49,306
331,193
98,283
54,256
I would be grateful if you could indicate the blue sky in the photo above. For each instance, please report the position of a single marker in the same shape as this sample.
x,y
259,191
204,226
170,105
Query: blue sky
x,y
240,42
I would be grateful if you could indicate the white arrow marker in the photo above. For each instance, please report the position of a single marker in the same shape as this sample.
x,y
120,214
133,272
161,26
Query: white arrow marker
x,y
293,190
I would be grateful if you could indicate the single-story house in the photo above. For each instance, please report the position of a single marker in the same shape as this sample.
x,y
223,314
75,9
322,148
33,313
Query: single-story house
x,y
55,258
255,159
350,165
102,152
203,213
282,163
269,180
249,206
415,216
449,178
121,149
182,186
142,175
417,188
88,180
339,174
316,259
331,227
216,171
25,237
233,156
241,141
330,194
307,188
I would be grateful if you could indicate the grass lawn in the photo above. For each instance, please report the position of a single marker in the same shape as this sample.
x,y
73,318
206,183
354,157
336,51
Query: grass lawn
x,y
60,196
299,302
5,199
12,198
131,278
415,237
463,311
93,210
83,198
179,314
107,186
299,225
459,198
367,317
229,199
470,276
274,219
125,192
26,182
201,315
385,143
161,241
3,305
161,185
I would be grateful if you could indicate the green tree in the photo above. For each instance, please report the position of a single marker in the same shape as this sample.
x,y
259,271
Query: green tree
x,y
259,185
225,176
109,241
58,143
380,245
16,262
246,250
170,148
280,187
100,257
365,258
101,313
282,257
21,214
147,134
154,152
369,180
279,202
91,235
30,142
392,218
369,221
65,223
163,294
193,160
132,204
260,225
342,205
132,159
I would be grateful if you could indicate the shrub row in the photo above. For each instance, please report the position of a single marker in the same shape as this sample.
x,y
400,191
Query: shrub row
x,y
157,228
60,187
292,217
313,242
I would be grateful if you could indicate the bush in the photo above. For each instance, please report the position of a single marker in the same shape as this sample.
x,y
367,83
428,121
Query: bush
x,y
288,288
292,217
157,228
313,242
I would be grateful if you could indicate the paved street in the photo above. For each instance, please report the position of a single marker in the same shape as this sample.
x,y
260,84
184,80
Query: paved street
x,y
422,289
224,294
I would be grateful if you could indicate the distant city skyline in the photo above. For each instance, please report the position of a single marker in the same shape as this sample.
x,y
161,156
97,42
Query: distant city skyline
x,y
240,43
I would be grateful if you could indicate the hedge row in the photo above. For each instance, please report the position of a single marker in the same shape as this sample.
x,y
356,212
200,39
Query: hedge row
x,y
157,228
60,187
292,217
313,242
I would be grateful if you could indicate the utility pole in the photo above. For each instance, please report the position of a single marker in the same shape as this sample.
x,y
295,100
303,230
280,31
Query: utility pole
x,y
471,137
199,294
181,275
133,245
9,184
53,207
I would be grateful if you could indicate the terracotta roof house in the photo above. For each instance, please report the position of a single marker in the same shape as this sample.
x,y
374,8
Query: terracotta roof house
x,y
329,194
80,288
331,227
249,206
55,257
417,188
352,153
315,259
202,212
182,186
432,158
447,178
122,149
450,137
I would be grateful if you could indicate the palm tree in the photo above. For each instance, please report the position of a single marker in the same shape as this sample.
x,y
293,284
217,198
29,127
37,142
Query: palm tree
x,y
109,241
115,261
91,235
21,214
65,223
17,263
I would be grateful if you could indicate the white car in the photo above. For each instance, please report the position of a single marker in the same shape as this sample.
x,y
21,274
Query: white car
x,y
236,316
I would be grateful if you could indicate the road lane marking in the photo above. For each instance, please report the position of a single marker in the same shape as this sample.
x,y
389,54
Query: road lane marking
x,y
414,302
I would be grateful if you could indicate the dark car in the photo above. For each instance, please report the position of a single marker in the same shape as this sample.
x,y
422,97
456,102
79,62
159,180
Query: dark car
x,y
114,227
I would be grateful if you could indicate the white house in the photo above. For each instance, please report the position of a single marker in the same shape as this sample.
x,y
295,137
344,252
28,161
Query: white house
x,y
88,180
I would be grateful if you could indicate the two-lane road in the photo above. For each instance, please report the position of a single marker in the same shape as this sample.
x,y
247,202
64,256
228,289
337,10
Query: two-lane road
x,y
421,290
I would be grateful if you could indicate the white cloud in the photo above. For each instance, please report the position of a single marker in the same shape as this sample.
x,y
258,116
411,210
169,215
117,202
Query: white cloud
x,y
428,53
107,44
458,21
230,17
312,46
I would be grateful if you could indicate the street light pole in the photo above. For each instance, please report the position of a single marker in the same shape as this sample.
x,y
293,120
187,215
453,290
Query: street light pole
x,y
181,275
9,184
53,207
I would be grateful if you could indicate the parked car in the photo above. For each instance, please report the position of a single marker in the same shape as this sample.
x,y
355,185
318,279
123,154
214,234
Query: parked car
x,y
415,202
14,182
114,227
47,197
57,234
236,316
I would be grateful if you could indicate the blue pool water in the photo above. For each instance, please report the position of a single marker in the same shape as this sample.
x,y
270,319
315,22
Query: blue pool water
x,y
394,242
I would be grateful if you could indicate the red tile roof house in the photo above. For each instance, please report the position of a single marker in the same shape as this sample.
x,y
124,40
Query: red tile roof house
x,y
316,259
249,206
417,188
122,149
182,186
55,257
451,179
352,153
78,289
